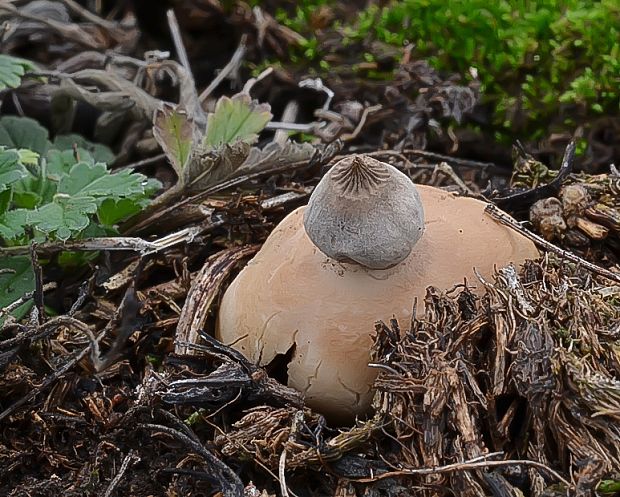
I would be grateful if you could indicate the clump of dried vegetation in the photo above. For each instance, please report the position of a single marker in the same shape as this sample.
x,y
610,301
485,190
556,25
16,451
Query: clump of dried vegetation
x,y
110,380
512,392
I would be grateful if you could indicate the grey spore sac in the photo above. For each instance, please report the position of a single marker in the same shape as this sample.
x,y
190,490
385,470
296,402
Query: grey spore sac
x,y
365,211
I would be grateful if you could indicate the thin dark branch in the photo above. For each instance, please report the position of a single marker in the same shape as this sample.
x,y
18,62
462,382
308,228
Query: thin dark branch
x,y
119,243
528,197
38,282
467,466
23,299
229,481
503,218
116,480
456,161
158,216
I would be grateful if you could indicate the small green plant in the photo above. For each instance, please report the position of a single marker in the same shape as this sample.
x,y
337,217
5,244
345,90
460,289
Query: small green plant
x,y
608,487
236,119
56,191
301,20
49,192
234,124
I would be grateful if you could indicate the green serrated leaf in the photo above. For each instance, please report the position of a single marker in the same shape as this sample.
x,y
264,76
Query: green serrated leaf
x,y
98,152
112,211
36,189
236,119
15,282
23,132
13,223
174,131
65,216
58,197
12,69
11,169
59,163
95,181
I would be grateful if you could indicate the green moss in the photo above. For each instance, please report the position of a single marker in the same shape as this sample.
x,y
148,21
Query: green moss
x,y
299,17
530,56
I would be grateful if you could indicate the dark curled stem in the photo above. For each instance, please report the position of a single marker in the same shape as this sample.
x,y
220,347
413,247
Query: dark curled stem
x,y
528,197
38,278
228,480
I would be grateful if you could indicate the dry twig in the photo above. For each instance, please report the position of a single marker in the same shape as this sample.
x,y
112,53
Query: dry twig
x,y
503,218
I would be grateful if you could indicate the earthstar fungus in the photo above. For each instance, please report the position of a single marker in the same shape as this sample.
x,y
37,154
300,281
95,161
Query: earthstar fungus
x,y
365,212
368,243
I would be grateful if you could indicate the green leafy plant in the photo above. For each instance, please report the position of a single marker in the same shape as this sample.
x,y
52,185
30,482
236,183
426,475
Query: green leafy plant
x,y
49,192
12,69
299,17
225,150
199,159
16,279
